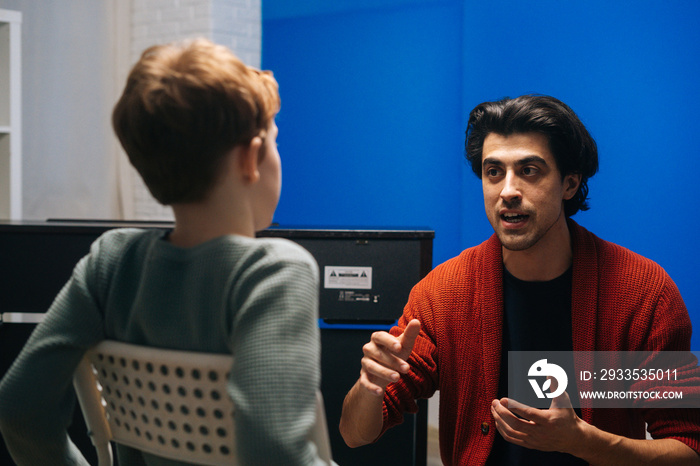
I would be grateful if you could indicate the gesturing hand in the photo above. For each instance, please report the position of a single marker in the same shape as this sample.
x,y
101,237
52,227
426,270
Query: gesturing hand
x,y
385,358
553,429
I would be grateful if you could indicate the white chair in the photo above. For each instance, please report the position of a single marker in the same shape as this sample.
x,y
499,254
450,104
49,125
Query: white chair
x,y
165,402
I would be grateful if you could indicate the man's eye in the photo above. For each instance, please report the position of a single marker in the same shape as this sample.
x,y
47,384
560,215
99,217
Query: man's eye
x,y
491,172
529,171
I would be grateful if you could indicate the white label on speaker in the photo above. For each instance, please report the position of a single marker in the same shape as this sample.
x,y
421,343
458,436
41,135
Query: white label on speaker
x,y
338,276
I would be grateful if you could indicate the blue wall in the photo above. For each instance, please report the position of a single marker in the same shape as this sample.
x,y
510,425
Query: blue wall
x,y
376,95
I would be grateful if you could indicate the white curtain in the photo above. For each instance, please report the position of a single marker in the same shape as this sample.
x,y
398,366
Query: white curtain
x,y
68,73
75,58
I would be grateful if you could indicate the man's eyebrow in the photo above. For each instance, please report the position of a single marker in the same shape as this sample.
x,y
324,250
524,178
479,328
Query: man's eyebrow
x,y
491,161
520,162
531,159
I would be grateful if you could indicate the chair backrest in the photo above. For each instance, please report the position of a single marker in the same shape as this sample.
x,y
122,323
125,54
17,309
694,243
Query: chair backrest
x,y
169,403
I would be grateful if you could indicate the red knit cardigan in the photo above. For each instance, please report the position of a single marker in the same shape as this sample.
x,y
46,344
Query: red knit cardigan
x,y
621,301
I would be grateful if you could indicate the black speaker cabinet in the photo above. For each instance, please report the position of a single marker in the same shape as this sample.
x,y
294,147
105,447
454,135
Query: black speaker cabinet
x,y
366,276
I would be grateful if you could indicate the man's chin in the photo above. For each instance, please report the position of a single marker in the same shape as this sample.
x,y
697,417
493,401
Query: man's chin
x,y
516,242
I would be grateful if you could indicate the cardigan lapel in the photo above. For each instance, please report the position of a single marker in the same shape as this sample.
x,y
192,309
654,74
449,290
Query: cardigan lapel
x,y
491,299
584,299
584,302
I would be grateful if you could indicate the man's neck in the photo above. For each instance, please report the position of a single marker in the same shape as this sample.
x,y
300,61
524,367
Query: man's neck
x,y
546,260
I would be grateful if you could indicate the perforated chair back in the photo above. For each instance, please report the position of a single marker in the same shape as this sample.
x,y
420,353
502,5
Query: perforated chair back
x,y
165,402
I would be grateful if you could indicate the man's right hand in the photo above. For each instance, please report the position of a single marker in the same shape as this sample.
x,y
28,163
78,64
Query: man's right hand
x,y
385,358
384,361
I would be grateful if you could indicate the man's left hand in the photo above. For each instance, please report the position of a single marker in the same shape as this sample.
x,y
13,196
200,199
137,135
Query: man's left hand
x,y
555,429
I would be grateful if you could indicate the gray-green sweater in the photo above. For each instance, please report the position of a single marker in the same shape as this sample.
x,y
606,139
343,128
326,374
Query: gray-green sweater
x,y
254,298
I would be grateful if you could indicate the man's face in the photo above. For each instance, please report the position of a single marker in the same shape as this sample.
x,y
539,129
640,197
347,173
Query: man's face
x,y
523,189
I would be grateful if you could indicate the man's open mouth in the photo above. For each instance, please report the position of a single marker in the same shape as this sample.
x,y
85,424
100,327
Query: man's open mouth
x,y
514,218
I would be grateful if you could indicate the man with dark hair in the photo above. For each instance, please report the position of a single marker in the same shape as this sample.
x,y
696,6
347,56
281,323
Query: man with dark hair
x,y
540,283
573,148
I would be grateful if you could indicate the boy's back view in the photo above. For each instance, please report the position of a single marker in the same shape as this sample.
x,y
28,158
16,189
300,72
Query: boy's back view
x,y
198,125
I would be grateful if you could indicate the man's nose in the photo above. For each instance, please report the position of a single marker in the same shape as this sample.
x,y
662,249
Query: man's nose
x,y
511,188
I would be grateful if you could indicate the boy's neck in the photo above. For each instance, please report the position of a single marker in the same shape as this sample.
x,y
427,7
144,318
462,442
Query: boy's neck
x,y
230,207
196,223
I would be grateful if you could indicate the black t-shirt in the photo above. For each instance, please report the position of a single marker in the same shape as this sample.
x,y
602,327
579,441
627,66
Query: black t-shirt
x,y
536,317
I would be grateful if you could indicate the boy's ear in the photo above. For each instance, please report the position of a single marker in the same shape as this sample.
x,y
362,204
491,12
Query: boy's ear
x,y
247,160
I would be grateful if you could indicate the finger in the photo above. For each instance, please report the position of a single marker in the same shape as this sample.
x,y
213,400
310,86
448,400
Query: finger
x,y
504,408
514,404
379,373
384,357
371,387
510,427
509,434
386,340
562,401
527,413
408,338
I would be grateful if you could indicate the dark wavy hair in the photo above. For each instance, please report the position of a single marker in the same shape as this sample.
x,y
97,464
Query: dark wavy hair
x,y
573,148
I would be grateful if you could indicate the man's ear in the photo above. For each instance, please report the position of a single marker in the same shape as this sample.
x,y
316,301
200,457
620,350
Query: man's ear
x,y
571,183
248,160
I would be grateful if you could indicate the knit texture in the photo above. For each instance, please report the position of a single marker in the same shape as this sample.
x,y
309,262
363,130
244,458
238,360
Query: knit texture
x,y
254,298
621,301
